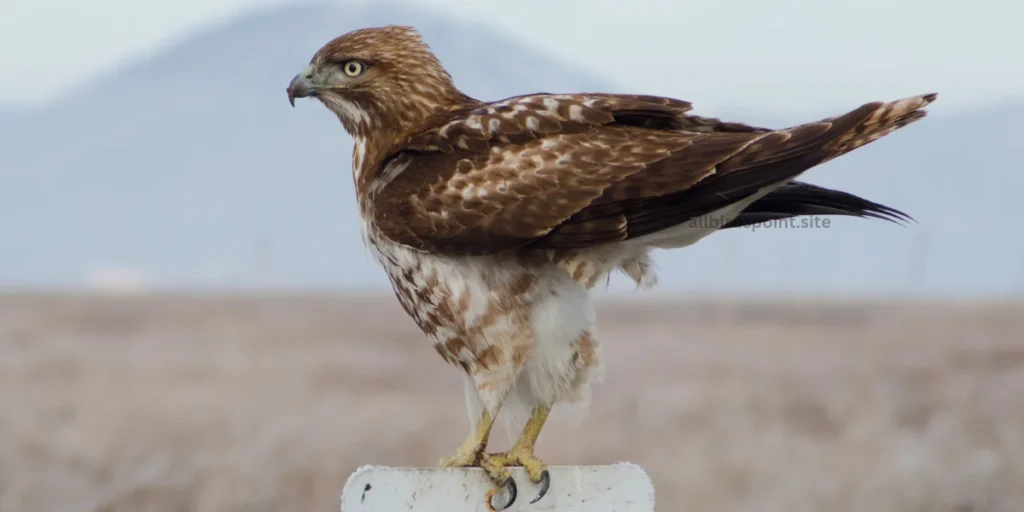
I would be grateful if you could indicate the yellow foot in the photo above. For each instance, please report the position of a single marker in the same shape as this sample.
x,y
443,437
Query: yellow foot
x,y
469,454
463,458
496,465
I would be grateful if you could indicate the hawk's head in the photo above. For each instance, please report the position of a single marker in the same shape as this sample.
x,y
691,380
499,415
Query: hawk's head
x,y
377,77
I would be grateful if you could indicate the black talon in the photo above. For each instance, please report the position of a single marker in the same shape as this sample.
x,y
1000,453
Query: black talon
x,y
513,491
545,482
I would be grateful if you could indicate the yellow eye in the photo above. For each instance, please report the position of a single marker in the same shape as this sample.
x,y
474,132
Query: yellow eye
x,y
352,68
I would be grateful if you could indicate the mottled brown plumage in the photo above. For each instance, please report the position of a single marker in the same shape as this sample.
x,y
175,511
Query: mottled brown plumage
x,y
493,220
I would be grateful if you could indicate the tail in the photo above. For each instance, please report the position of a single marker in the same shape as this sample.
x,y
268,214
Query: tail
x,y
799,199
756,183
783,155
793,150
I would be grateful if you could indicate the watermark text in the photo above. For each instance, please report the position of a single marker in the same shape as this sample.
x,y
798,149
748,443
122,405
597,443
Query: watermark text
x,y
805,222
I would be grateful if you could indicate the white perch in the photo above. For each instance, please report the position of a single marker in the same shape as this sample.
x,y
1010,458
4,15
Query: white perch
x,y
621,487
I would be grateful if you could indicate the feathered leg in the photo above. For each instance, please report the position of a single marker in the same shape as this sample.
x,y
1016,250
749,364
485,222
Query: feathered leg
x,y
471,454
487,389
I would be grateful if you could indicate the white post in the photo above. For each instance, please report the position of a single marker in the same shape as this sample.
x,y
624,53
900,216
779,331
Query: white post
x,y
621,487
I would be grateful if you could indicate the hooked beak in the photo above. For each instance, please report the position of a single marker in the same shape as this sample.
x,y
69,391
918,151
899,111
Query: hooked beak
x,y
302,86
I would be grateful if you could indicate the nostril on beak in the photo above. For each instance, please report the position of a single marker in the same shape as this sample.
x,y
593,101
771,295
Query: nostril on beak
x,y
300,87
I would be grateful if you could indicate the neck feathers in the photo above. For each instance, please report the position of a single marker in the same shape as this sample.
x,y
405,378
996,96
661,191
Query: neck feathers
x,y
379,128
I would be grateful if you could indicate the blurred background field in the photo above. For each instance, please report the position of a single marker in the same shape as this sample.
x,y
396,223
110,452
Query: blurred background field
x,y
218,403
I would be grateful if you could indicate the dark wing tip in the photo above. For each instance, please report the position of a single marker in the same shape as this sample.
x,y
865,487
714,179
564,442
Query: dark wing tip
x,y
802,199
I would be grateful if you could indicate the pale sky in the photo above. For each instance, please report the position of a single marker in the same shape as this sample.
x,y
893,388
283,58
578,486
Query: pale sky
x,y
783,54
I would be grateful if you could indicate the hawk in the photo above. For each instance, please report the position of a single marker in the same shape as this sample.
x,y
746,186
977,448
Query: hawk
x,y
494,220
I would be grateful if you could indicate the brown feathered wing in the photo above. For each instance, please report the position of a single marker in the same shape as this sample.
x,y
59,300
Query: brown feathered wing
x,y
573,171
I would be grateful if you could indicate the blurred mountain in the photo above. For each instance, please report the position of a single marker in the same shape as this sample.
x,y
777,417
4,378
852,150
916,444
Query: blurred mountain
x,y
189,168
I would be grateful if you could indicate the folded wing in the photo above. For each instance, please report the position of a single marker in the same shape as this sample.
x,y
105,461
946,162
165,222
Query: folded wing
x,y
573,171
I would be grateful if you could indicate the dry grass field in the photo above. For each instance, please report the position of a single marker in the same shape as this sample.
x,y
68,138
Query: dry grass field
x,y
266,404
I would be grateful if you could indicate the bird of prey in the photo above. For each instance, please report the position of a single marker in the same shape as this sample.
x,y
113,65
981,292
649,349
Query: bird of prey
x,y
495,219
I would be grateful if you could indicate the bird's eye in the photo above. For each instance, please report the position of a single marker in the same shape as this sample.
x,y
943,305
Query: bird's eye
x,y
352,68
